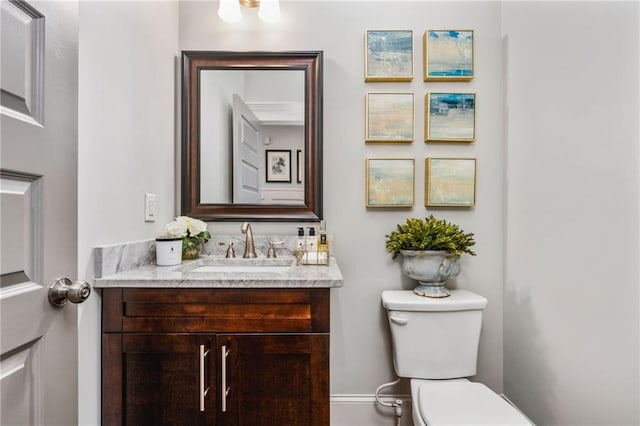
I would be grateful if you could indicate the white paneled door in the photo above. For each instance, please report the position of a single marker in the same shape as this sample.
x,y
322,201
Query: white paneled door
x,y
247,132
38,211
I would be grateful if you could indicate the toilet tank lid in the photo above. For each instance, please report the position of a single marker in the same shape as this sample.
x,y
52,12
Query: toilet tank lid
x,y
407,300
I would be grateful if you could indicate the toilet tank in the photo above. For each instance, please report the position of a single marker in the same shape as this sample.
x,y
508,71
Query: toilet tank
x,y
434,338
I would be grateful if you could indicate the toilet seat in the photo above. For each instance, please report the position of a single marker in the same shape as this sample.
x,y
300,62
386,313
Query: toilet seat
x,y
463,403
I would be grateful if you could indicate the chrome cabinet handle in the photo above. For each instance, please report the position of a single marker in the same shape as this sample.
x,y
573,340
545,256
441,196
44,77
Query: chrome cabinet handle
x,y
225,389
203,391
62,291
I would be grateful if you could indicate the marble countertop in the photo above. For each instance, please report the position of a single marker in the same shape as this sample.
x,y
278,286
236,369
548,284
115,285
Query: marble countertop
x,y
215,272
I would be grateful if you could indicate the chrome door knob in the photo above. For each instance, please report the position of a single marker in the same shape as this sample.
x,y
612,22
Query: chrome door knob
x,y
63,290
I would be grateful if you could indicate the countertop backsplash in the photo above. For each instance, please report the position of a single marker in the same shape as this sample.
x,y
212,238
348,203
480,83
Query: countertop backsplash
x,y
113,258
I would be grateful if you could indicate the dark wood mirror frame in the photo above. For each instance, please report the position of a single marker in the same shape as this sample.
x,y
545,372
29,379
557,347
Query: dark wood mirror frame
x,y
308,61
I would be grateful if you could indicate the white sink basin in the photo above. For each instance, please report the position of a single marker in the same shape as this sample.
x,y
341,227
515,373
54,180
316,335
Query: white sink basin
x,y
240,265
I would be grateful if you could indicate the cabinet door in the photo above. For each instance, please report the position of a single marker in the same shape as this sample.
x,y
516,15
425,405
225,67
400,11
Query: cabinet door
x,y
169,379
274,379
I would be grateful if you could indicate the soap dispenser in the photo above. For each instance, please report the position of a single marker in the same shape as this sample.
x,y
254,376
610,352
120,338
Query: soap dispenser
x,y
311,246
323,245
300,241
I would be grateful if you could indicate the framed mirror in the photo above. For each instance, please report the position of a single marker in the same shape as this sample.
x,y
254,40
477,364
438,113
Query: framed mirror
x,y
252,135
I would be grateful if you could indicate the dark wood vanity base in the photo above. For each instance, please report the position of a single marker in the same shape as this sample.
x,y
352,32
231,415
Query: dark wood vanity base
x,y
215,356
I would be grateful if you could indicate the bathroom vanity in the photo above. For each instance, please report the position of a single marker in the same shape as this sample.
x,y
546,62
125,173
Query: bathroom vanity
x,y
217,342
220,341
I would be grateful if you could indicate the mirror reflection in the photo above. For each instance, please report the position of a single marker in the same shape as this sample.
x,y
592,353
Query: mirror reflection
x,y
252,136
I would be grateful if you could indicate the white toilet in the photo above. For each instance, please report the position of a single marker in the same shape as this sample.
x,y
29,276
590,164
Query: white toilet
x,y
435,344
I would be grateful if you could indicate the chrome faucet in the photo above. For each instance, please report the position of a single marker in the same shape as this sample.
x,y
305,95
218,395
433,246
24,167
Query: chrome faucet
x,y
249,249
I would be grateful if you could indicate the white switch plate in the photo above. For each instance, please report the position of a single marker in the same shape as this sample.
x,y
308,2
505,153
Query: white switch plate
x,y
149,207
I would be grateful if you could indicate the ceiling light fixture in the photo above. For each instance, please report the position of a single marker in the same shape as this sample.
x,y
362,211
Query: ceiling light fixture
x,y
268,10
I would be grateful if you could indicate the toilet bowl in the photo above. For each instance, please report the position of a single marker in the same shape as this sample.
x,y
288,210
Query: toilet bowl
x,y
435,344
461,402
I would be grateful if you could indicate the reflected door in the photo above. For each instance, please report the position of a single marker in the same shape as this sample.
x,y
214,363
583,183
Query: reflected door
x,y
246,154
38,209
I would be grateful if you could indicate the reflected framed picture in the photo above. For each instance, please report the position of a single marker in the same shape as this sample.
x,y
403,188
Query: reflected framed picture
x,y
448,55
390,182
450,117
300,166
278,165
389,117
450,182
388,55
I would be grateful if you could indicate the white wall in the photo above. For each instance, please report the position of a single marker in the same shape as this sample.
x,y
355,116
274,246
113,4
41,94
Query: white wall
x,y
217,88
274,86
290,138
360,345
127,89
571,297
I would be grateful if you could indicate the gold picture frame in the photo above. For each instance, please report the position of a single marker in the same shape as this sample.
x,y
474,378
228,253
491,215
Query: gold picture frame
x,y
390,182
450,182
450,117
389,117
448,55
388,55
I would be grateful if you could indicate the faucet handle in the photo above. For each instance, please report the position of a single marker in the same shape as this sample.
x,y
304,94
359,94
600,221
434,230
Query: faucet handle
x,y
271,253
230,251
299,254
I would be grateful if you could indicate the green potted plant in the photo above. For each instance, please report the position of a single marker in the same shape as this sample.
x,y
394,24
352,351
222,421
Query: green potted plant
x,y
431,250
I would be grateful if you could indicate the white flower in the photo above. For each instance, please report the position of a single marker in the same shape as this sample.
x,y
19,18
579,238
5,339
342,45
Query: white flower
x,y
176,228
185,226
196,226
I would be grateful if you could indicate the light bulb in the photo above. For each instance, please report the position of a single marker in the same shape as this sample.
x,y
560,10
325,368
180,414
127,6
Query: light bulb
x,y
229,10
269,10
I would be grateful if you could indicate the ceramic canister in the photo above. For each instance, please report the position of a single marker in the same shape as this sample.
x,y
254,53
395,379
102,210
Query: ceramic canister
x,y
168,251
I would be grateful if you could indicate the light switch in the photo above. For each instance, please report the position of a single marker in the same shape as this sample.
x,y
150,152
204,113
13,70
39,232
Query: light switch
x,y
149,207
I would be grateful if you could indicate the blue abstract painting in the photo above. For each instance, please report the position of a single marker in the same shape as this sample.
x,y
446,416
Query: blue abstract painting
x,y
389,55
448,55
450,117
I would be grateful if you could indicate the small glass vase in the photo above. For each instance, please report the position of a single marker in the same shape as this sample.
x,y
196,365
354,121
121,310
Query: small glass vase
x,y
192,250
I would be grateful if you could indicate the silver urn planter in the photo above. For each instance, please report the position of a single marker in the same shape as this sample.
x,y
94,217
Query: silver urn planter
x,y
431,269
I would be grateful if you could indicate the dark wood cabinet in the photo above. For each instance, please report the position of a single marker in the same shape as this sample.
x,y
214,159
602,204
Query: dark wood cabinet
x,y
255,357
161,372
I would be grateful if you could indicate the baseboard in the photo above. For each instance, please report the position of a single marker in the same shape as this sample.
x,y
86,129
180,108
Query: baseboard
x,y
363,410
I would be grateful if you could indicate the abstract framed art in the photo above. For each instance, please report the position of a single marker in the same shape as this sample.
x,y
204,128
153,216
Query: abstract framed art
x,y
448,55
450,117
389,117
450,182
388,55
390,182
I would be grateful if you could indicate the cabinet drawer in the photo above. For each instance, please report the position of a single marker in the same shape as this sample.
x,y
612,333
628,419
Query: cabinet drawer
x,y
217,310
